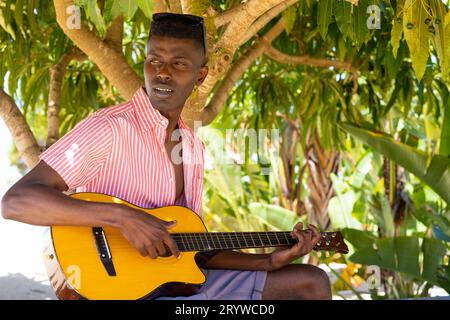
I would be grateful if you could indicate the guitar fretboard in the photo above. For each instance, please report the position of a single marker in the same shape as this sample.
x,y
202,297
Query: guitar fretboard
x,y
231,240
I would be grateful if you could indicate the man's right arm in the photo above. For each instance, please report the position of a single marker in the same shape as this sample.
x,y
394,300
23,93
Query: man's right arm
x,y
38,199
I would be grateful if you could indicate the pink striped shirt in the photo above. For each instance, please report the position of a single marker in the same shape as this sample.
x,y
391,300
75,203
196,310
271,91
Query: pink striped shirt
x,y
120,151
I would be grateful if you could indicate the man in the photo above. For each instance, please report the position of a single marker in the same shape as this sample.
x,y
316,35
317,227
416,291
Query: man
x,y
130,151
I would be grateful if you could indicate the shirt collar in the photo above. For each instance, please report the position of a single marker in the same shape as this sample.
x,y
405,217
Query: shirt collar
x,y
147,115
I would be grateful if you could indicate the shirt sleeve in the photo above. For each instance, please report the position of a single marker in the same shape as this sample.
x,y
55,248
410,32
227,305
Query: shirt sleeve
x,y
80,154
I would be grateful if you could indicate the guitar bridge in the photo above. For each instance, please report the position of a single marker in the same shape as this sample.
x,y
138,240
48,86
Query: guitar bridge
x,y
103,250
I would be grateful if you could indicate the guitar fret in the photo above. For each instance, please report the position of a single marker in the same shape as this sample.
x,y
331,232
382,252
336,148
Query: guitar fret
x,y
245,240
285,236
278,239
208,238
224,241
214,240
259,236
231,241
188,239
268,239
186,244
201,239
196,242
253,240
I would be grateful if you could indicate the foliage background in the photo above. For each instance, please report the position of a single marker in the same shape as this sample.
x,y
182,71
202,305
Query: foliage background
x,y
312,70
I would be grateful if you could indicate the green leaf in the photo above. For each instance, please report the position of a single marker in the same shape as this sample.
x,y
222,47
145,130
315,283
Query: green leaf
x,y
447,45
407,252
276,217
30,16
387,217
289,15
128,8
146,6
343,10
352,20
397,27
111,11
416,34
340,208
360,239
18,13
5,20
433,251
387,253
400,254
94,15
440,39
444,148
325,11
433,170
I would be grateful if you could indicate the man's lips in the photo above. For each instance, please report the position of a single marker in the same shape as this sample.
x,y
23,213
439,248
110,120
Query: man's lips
x,y
162,91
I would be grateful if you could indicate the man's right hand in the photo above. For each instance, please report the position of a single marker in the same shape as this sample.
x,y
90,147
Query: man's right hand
x,y
147,233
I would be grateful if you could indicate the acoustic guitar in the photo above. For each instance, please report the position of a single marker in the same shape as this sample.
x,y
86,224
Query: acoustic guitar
x,y
99,263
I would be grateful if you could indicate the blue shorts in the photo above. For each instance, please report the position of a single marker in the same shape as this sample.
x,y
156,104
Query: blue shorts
x,y
228,285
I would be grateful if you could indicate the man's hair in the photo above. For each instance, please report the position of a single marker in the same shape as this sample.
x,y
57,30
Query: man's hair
x,y
182,26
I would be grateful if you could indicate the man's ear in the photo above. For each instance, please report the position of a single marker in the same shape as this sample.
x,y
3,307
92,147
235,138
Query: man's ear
x,y
202,73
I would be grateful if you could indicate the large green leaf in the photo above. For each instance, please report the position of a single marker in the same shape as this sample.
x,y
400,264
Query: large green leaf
x,y
401,254
433,251
416,34
433,170
407,255
276,217
340,208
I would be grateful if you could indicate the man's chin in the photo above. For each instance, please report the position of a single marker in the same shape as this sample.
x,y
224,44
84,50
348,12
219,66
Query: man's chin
x,y
162,104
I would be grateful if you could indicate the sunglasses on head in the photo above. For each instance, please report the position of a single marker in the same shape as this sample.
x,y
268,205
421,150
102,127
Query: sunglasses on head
x,y
188,18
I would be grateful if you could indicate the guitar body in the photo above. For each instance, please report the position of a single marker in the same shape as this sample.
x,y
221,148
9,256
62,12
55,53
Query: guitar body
x,y
76,271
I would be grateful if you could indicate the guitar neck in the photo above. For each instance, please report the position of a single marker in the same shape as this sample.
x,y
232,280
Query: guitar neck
x,y
206,241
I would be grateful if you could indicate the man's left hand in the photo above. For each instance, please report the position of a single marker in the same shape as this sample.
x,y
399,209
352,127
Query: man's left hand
x,y
307,239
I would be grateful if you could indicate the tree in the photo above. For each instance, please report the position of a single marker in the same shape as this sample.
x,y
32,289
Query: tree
x,y
41,40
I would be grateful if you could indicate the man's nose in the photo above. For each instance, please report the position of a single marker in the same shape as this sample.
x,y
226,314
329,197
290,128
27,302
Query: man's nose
x,y
164,73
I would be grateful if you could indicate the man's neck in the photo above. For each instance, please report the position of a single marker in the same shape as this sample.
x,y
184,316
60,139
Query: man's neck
x,y
173,121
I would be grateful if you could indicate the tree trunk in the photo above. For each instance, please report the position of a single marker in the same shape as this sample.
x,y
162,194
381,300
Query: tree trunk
x,y
320,164
23,138
56,77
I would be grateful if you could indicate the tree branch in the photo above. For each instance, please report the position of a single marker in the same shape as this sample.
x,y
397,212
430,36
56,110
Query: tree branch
x,y
238,68
101,53
56,77
226,16
23,138
246,14
114,34
265,19
281,57
159,6
175,6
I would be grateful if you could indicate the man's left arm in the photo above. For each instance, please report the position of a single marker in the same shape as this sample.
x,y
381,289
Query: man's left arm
x,y
229,259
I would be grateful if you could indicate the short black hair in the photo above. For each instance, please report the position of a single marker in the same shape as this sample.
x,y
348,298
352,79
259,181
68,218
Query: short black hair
x,y
182,26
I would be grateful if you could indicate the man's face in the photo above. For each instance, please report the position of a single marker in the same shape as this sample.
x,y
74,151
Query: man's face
x,y
172,67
